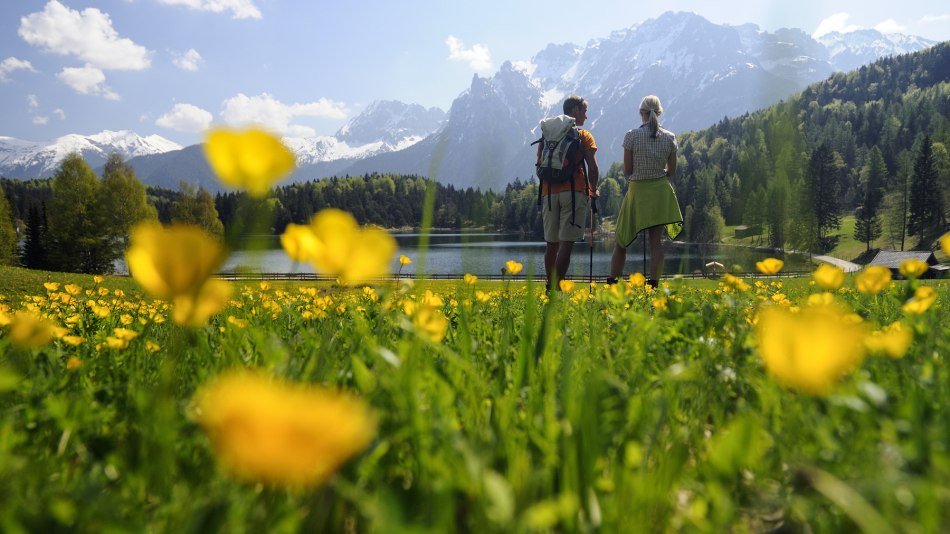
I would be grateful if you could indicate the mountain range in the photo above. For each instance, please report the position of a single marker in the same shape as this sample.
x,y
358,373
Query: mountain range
x,y
701,71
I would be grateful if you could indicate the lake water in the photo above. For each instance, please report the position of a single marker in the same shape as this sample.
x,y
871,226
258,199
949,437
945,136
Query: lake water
x,y
485,254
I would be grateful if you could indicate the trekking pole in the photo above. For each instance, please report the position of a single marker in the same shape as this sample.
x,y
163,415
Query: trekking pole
x,y
593,212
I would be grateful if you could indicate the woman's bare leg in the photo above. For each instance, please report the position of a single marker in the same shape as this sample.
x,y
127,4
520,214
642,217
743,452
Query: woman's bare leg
x,y
617,261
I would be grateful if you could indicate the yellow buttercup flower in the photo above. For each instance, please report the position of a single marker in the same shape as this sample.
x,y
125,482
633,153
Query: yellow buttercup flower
x,y
174,264
74,341
73,363
250,159
282,434
828,277
404,260
117,343
73,289
125,333
97,279
566,285
893,340
945,243
344,249
482,296
512,267
638,280
151,346
735,282
809,350
195,310
769,266
913,268
299,242
430,322
470,279
51,286
239,323
923,299
30,330
873,279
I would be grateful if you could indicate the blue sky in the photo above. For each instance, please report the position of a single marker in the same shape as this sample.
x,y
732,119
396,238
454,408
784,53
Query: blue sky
x,y
171,67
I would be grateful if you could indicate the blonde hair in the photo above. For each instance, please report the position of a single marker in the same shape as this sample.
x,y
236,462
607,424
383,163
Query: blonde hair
x,y
652,104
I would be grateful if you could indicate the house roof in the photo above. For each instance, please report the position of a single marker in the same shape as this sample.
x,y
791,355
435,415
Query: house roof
x,y
892,258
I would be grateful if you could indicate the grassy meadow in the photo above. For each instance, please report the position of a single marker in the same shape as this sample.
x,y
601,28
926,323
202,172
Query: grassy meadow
x,y
493,408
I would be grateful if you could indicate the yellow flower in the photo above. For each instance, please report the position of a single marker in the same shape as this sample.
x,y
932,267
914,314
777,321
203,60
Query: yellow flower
x,y
404,260
512,267
195,310
821,299
769,266
923,299
430,322
828,277
126,319
809,350
278,433
125,333
566,285
431,299
250,159
264,286
151,346
117,343
913,268
51,286
97,279
74,341
239,323
638,280
73,289
893,340
660,303
735,282
175,264
945,243
470,279
344,249
873,279
482,296
30,330
299,242
73,363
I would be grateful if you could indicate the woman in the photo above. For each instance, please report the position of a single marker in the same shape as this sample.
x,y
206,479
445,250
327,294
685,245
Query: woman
x,y
649,161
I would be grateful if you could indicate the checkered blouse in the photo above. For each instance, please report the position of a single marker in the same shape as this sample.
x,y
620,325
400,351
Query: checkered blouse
x,y
649,154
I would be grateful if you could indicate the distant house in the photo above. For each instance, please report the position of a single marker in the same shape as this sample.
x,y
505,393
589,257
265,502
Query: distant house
x,y
747,231
892,260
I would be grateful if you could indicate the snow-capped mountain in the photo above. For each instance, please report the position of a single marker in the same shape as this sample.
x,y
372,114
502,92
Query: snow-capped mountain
x,y
28,159
701,71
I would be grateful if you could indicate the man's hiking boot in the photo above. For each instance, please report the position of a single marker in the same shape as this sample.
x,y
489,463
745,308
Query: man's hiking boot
x,y
611,280
653,283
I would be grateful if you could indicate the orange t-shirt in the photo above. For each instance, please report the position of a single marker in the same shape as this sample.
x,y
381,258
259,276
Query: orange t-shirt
x,y
580,176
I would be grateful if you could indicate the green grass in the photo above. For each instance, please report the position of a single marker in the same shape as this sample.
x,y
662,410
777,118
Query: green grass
x,y
575,414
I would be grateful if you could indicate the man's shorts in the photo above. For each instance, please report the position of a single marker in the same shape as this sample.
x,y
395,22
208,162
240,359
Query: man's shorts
x,y
557,220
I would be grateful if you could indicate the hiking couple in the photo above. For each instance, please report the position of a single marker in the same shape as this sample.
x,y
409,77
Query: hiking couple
x,y
568,170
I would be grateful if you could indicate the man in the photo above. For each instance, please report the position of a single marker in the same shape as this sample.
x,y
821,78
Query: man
x,y
563,218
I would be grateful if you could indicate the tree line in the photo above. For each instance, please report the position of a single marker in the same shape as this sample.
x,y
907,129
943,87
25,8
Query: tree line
x,y
873,142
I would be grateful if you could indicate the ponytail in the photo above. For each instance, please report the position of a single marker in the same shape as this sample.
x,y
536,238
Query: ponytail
x,y
652,104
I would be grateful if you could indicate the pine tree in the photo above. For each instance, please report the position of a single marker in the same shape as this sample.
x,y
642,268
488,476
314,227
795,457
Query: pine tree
x,y
197,207
9,240
926,202
868,225
824,169
34,253
122,201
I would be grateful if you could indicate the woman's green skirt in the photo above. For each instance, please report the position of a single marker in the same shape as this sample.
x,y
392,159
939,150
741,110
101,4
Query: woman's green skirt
x,y
648,203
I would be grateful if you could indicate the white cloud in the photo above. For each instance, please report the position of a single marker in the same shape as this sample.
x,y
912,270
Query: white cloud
x,y
188,61
11,64
835,23
890,26
32,101
60,113
88,35
145,117
933,18
185,118
267,111
478,56
87,80
39,120
240,9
